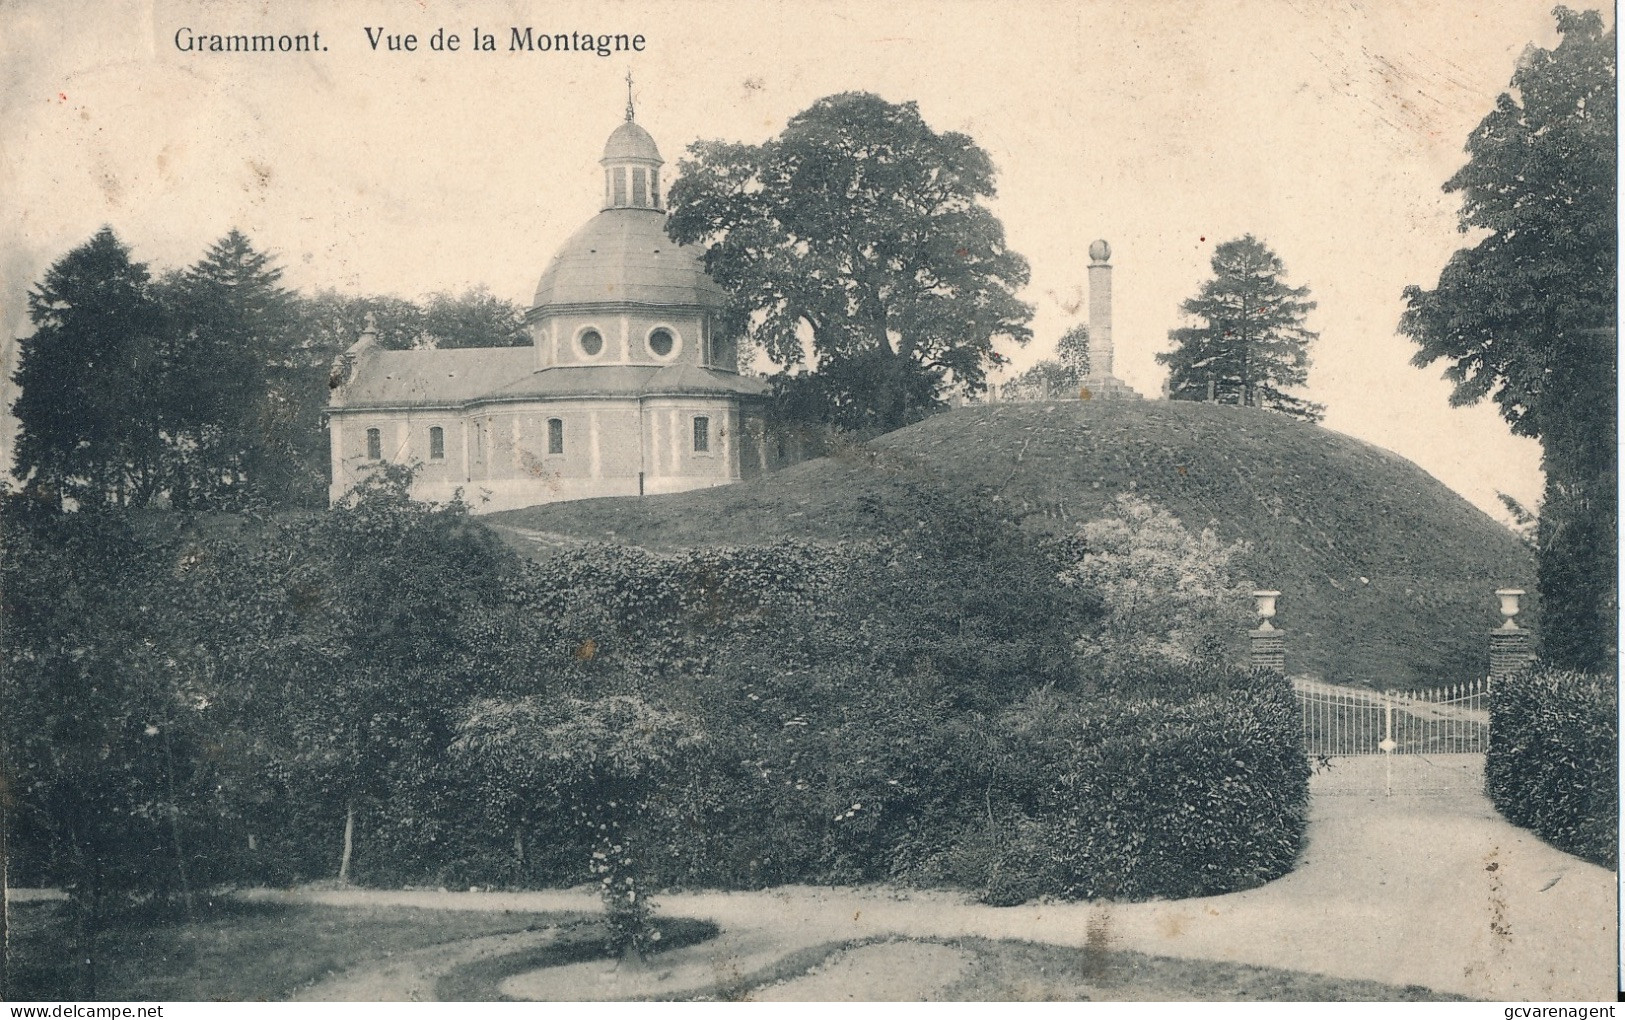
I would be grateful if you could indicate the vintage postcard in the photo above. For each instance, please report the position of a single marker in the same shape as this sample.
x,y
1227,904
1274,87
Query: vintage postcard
x,y
710,500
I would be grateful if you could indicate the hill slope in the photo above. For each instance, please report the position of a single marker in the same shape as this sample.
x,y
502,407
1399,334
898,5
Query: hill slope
x,y
1387,574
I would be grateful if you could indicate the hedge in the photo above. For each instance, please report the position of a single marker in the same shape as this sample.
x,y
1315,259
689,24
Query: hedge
x,y
909,710
1553,763
1146,797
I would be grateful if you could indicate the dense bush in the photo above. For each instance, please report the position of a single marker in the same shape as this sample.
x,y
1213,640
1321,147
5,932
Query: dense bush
x,y
914,709
1171,597
1553,763
1146,797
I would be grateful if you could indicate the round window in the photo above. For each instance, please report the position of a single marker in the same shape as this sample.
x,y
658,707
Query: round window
x,y
661,342
592,342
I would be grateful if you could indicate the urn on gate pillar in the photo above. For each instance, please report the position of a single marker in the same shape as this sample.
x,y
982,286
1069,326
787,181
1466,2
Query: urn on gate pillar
x,y
1510,647
1268,643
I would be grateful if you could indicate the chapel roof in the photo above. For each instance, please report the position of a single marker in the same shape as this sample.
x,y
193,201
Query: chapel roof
x,y
438,378
621,256
457,378
630,380
630,141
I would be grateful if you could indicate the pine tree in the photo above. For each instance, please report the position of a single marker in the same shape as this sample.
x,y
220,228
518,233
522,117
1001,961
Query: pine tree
x,y
228,363
1251,343
91,378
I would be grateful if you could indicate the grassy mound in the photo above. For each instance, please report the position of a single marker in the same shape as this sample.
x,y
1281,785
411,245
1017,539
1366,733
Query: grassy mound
x,y
1387,573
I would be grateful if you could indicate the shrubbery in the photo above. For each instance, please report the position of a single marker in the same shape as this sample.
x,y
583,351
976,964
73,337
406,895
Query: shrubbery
x,y
1553,763
928,709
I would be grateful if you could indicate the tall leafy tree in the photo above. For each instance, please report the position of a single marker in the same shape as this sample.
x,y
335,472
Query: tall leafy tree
x,y
860,232
1060,376
1072,350
104,730
1250,343
91,381
1049,379
474,318
390,614
1526,316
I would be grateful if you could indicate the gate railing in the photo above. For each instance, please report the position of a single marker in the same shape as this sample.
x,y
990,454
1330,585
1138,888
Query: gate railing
x,y
1349,721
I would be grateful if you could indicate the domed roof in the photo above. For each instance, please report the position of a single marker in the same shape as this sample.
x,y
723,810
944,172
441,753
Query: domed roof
x,y
624,255
629,141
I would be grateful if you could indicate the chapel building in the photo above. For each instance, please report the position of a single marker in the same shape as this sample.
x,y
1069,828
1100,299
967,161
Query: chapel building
x,y
628,388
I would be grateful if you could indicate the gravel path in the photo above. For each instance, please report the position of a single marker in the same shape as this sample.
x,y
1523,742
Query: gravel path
x,y
1431,888
411,977
880,972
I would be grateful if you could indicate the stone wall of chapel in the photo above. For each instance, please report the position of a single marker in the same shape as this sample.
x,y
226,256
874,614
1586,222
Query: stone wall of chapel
x,y
671,461
404,438
500,457
626,335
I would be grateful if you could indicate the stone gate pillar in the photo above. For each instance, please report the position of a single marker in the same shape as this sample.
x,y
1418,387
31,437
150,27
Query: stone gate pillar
x,y
1511,651
1268,643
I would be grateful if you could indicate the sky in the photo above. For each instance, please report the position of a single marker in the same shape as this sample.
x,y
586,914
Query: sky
x,y
1324,127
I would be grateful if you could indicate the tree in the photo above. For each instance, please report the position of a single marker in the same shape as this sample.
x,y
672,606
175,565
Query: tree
x,y
226,395
91,380
860,230
1526,316
1059,377
603,761
1046,380
104,733
1168,594
1251,341
388,618
1073,351
475,318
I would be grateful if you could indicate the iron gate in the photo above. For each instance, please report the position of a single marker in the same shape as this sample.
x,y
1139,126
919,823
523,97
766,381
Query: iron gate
x,y
1349,720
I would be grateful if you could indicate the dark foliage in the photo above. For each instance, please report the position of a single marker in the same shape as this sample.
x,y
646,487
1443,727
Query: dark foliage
x,y
224,400
877,712
863,230
250,698
1250,344
1190,795
116,788
91,407
1553,763
1527,315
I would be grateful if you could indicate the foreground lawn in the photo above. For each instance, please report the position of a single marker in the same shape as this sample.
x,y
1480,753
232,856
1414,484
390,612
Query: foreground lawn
x,y
233,951
239,951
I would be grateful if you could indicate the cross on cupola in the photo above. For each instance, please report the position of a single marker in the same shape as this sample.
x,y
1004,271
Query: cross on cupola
x,y
631,164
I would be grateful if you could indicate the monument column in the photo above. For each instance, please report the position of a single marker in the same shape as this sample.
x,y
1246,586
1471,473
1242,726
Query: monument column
x,y
1102,384
1100,310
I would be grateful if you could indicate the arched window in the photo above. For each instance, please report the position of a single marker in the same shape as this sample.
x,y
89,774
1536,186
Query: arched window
x,y
702,434
620,185
640,184
555,435
375,445
662,342
437,443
